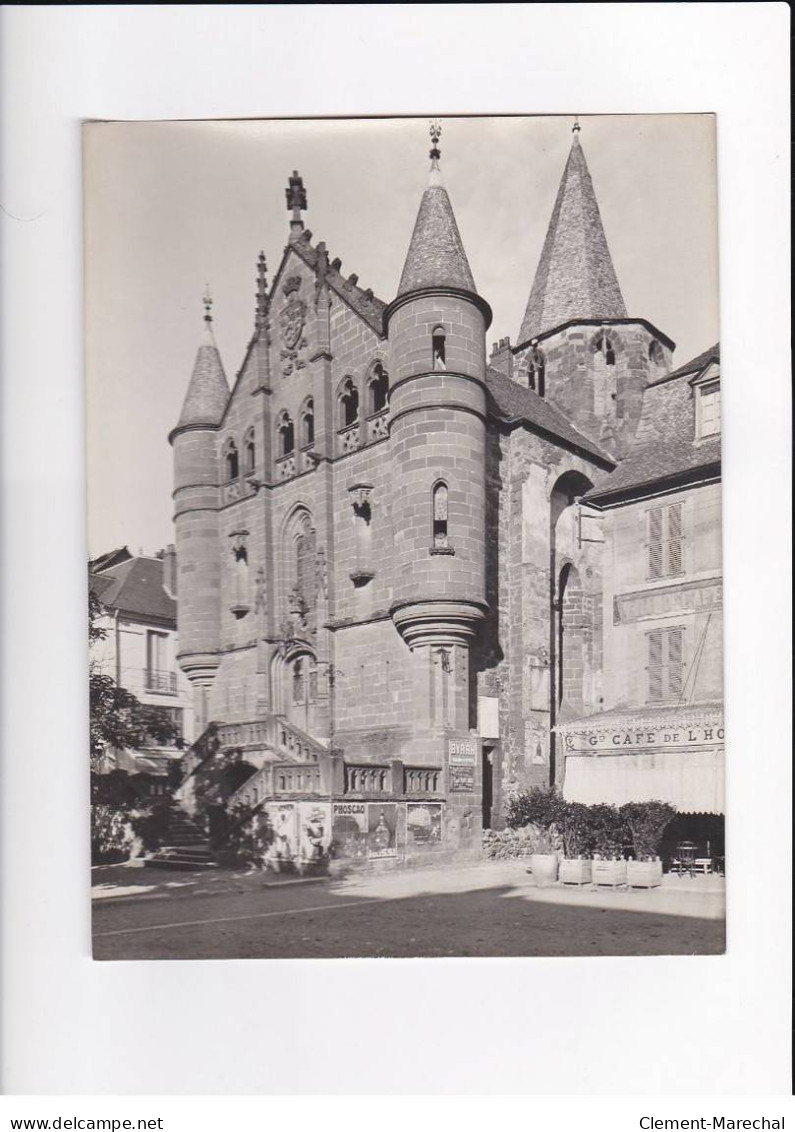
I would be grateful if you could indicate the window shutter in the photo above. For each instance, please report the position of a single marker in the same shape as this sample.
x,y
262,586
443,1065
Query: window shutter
x,y
674,548
655,666
655,543
674,663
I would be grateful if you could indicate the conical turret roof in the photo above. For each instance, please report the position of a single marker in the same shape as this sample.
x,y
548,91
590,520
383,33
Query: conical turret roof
x,y
208,390
575,278
436,256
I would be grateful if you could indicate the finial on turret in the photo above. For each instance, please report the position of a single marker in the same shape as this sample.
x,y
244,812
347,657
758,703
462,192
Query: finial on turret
x,y
436,133
207,300
575,129
296,201
262,291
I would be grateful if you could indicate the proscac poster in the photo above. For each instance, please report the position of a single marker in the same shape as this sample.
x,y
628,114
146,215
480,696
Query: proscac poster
x,y
349,829
381,829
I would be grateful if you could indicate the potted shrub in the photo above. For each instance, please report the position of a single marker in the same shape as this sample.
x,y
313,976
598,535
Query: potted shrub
x,y
609,838
544,858
647,822
538,807
577,836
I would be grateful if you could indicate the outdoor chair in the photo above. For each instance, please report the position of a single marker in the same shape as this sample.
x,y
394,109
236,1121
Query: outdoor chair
x,y
684,859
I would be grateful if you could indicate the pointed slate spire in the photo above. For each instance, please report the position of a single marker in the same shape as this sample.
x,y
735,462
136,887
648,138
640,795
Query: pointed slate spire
x,y
208,390
575,278
436,256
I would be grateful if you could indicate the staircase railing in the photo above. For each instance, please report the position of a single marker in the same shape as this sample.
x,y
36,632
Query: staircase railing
x,y
273,732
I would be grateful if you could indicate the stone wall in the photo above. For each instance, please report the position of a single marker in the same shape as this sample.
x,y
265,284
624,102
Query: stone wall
x,y
603,401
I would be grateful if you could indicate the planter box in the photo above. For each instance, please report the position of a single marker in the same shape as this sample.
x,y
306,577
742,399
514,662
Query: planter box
x,y
613,873
544,867
644,874
575,871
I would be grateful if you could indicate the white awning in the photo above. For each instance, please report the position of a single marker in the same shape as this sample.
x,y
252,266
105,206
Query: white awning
x,y
693,781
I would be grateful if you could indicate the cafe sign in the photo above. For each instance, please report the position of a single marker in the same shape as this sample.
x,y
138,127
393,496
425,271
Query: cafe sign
x,y
625,740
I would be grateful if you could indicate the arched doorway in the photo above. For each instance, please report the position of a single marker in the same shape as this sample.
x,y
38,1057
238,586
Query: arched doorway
x,y
295,688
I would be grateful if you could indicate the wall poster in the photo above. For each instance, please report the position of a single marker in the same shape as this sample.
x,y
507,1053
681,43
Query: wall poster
x,y
314,832
381,829
349,829
282,820
423,825
462,779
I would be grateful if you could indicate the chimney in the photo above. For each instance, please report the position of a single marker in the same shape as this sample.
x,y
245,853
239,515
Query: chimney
x,y
170,570
502,357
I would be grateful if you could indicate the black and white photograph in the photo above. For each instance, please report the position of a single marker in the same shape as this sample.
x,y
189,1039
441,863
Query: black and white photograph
x,y
395,434
404,458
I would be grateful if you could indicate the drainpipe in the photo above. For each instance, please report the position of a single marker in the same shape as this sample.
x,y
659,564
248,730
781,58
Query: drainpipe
x,y
117,639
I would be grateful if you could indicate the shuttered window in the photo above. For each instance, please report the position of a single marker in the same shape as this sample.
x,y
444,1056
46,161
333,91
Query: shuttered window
x,y
674,544
709,409
665,536
674,639
655,666
665,664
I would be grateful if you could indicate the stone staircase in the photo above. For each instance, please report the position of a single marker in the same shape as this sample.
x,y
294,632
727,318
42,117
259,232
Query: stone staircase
x,y
186,846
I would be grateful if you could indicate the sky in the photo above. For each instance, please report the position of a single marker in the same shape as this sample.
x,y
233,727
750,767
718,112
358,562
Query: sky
x,y
171,207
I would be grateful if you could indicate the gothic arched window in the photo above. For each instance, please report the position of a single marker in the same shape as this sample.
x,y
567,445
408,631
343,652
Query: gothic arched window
x,y
286,435
231,460
603,344
308,424
349,404
439,502
250,451
299,681
536,371
378,388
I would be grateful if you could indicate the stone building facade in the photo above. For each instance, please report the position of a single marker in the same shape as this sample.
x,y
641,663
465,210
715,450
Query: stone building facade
x,y
395,575
138,616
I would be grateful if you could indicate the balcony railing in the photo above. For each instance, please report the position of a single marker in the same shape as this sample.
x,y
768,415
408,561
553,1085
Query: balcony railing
x,y
367,779
163,682
423,779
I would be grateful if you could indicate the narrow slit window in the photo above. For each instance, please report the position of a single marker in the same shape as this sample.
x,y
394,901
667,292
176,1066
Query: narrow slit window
x,y
232,461
536,372
308,425
250,452
439,355
378,389
604,345
286,436
349,404
440,535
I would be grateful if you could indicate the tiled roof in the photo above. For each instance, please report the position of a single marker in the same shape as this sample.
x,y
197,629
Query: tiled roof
x,y
514,402
665,444
364,302
208,390
136,587
575,278
436,256
110,558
